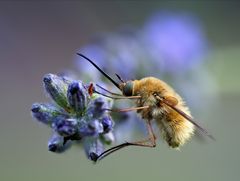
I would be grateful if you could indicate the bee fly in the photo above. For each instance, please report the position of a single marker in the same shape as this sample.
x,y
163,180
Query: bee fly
x,y
155,100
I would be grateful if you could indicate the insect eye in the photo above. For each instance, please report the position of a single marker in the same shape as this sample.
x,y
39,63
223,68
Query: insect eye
x,y
128,88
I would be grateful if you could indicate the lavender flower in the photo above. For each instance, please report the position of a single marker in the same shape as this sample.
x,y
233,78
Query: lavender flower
x,y
175,40
168,43
76,115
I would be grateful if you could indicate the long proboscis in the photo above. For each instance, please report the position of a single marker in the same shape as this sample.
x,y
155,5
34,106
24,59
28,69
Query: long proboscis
x,y
118,97
100,70
189,118
116,94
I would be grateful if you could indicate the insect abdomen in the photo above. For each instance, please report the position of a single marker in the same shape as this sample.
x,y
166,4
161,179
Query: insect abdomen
x,y
175,129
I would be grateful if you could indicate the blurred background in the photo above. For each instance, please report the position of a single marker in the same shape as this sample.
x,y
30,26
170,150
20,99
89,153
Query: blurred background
x,y
195,47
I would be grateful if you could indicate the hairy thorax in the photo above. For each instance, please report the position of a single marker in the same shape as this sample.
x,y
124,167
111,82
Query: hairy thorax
x,y
146,88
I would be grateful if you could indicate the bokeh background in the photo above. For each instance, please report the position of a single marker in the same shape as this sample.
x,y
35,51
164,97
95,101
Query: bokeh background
x,y
41,37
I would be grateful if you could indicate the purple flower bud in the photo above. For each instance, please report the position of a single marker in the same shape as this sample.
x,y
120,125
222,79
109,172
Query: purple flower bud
x,y
93,128
77,96
108,138
65,127
56,87
97,107
58,143
107,123
46,113
55,143
93,147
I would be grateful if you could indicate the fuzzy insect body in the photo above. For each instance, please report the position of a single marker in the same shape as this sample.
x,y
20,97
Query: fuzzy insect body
x,y
174,128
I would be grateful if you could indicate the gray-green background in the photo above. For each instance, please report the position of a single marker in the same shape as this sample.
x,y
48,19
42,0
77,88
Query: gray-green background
x,y
41,37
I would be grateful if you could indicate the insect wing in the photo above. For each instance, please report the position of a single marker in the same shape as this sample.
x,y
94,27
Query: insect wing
x,y
189,119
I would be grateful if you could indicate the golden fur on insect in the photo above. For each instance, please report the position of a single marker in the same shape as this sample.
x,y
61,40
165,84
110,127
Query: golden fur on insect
x,y
175,129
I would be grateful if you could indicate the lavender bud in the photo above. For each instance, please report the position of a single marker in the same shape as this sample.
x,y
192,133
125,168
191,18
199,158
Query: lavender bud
x,y
93,147
108,138
96,125
93,128
56,87
97,107
46,113
77,96
107,124
55,143
65,127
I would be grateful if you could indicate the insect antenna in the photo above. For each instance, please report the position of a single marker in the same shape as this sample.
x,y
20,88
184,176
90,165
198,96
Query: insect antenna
x,y
100,70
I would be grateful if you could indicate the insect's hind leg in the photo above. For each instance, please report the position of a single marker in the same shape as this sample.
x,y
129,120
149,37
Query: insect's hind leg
x,y
149,142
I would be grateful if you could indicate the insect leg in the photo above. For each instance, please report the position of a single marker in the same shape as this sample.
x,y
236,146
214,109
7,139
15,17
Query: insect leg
x,y
128,109
149,142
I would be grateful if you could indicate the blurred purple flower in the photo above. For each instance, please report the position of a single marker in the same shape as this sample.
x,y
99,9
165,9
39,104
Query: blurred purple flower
x,y
120,52
175,40
95,52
